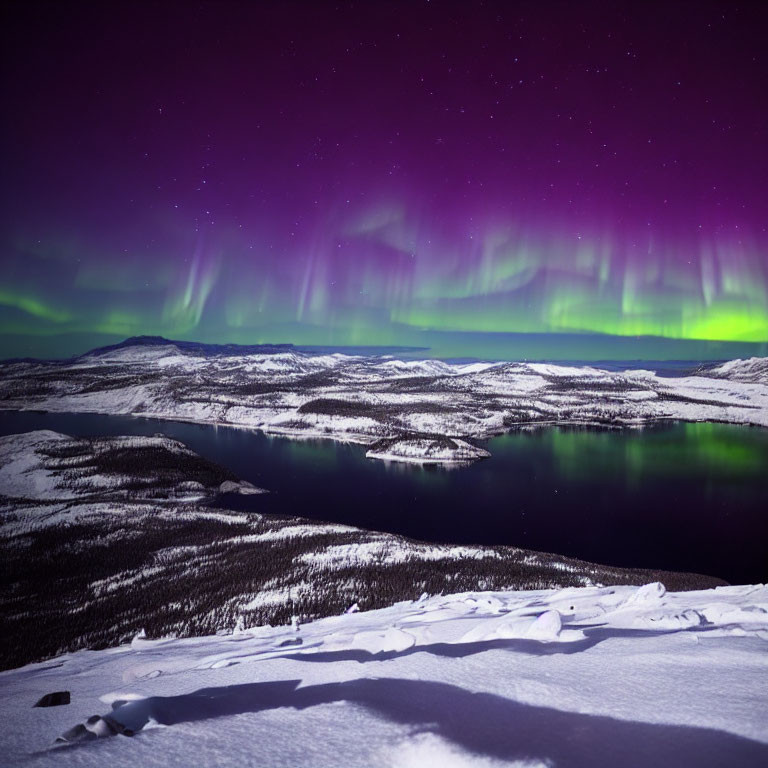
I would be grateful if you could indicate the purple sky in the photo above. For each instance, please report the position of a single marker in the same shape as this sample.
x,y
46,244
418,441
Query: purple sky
x,y
368,173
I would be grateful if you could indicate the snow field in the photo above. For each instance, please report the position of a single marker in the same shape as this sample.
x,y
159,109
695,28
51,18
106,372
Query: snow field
x,y
580,676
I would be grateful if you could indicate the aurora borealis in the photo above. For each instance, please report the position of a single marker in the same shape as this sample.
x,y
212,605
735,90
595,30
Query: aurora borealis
x,y
452,175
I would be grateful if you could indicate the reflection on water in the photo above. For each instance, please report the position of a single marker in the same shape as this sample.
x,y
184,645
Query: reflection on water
x,y
677,496
703,450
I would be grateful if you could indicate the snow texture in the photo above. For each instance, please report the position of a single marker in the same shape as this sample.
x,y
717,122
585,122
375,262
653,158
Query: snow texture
x,y
575,677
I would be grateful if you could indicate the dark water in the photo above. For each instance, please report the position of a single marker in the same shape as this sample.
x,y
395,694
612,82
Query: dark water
x,y
681,496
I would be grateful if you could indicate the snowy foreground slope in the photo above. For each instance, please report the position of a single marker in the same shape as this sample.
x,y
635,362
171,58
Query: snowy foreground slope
x,y
577,677
103,537
419,410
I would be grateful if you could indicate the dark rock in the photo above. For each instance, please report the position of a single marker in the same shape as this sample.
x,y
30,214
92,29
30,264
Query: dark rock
x,y
117,726
55,699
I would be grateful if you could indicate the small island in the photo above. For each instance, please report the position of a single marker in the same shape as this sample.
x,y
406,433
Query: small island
x,y
434,449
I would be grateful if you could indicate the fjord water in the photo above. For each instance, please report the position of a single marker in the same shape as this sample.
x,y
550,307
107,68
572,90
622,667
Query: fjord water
x,y
676,496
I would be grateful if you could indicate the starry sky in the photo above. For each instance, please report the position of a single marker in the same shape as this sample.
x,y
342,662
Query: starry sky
x,y
551,179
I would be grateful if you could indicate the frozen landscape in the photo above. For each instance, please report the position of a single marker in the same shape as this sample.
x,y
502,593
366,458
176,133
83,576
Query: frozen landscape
x,y
181,631
384,384
414,410
104,537
618,676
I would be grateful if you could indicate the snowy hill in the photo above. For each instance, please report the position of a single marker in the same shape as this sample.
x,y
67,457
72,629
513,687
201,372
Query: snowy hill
x,y
191,347
48,466
578,677
754,369
369,399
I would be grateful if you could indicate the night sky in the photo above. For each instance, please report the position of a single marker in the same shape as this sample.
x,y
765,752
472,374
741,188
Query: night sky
x,y
443,174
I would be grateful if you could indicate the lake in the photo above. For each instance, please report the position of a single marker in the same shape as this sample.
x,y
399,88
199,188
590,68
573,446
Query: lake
x,y
677,496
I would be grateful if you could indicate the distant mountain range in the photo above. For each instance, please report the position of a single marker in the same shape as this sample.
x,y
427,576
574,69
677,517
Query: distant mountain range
x,y
193,347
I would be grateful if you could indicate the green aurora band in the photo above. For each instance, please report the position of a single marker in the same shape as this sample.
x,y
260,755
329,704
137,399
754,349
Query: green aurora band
x,y
378,280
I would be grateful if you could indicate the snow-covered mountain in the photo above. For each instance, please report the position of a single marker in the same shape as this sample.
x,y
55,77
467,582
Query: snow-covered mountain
x,y
577,677
102,537
754,369
411,405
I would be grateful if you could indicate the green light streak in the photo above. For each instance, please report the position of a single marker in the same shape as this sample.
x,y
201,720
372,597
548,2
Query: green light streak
x,y
712,452
33,306
382,278
184,306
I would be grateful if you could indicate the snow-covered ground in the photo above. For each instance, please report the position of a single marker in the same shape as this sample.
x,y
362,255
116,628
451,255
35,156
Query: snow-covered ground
x,y
616,677
369,399
46,466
